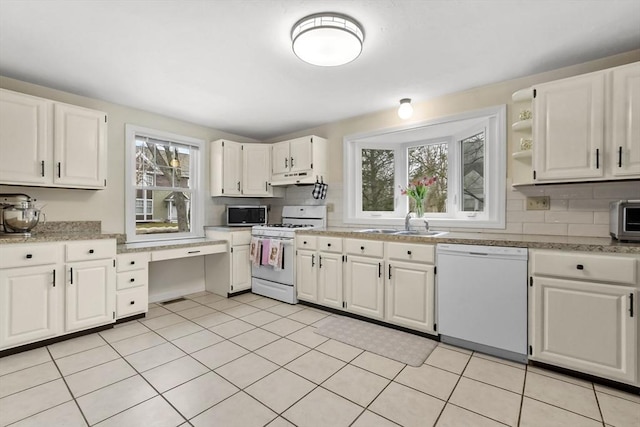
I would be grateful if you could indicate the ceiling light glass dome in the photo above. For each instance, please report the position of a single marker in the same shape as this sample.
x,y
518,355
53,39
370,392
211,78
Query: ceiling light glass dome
x,y
327,39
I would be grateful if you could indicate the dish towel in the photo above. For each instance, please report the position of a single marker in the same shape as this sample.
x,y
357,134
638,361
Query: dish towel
x,y
266,244
254,251
275,254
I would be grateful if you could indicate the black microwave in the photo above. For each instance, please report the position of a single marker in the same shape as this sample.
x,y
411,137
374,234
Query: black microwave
x,y
244,216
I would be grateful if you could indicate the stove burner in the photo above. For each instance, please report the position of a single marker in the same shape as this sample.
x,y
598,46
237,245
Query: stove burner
x,y
290,225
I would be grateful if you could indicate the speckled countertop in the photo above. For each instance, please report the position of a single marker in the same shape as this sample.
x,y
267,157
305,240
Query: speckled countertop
x,y
531,241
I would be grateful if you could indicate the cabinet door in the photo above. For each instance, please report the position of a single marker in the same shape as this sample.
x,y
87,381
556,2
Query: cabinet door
x,y
80,147
256,169
240,268
410,295
90,294
625,125
306,278
568,128
280,158
24,139
29,304
300,154
365,286
330,279
232,168
585,326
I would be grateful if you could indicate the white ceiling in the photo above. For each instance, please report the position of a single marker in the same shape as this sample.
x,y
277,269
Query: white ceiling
x,y
228,64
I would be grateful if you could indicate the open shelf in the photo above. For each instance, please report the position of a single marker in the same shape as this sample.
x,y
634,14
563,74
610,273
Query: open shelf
x,y
523,95
522,125
525,154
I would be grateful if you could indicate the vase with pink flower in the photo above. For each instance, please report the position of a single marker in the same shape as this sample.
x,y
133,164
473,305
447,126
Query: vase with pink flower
x,y
418,190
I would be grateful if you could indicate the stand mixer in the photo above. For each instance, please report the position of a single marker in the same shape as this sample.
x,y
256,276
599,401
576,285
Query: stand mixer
x,y
18,215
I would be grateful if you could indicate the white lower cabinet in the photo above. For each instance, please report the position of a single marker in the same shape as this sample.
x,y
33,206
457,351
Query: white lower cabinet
x,y
42,297
330,279
365,286
29,304
132,284
581,322
230,272
90,294
307,275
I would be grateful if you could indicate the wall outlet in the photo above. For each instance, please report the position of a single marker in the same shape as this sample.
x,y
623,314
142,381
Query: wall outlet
x,y
541,203
329,207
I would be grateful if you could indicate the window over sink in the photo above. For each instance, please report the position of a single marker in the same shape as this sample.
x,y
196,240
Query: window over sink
x,y
466,153
163,185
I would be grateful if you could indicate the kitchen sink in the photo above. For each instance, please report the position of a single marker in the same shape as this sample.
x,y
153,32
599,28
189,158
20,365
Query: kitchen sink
x,y
402,232
420,233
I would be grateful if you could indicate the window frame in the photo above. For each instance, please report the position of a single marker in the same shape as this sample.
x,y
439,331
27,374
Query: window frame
x,y
196,183
491,119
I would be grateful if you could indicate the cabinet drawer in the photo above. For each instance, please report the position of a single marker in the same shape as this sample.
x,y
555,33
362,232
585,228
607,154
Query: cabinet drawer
x,y
306,242
330,244
188,252
90,249
601,268
132,301
411,252
364,247
18,255
132,279
133,261
239,238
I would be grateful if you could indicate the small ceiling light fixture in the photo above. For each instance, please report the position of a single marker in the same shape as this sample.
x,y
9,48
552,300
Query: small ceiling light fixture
x,y
327,39
405,110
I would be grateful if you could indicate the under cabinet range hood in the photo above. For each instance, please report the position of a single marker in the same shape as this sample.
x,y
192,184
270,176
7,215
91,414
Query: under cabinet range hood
x,y
298,161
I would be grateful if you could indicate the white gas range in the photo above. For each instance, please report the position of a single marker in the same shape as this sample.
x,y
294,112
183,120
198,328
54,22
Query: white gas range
x,y
279,282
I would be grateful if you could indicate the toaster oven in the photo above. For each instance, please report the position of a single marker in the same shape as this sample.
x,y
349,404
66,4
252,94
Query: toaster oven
x,y
624,220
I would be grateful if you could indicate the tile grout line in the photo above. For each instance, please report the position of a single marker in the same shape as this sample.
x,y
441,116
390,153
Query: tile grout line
x,y
524,386
68,388
454,387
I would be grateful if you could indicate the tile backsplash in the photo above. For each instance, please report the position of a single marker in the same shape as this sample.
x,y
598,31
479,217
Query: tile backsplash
x,y
580,209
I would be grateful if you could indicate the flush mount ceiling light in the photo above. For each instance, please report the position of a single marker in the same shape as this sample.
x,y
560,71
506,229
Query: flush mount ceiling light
x,y
327,39
405,110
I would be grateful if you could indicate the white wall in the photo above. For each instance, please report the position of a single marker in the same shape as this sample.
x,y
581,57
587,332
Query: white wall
x,y
576,209
108,205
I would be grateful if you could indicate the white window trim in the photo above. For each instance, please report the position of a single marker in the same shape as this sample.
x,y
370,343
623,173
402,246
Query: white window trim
x,y
495,171
197,182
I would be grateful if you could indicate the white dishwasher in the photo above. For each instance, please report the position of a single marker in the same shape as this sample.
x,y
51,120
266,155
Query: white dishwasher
x,y
482,299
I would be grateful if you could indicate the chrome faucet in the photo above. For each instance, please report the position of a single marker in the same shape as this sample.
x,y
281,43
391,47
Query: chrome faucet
x,y
407,222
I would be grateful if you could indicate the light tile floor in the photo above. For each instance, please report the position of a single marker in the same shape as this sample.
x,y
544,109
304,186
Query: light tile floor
x,y
252,361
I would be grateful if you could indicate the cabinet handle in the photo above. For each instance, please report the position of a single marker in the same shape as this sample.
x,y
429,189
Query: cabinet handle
x,y
238,185
328,245
379,269
29,256
619,157
266,187
193,252
54,277
132,262
58,169
91,251
292,162
389,271
132,302
408,252
362,248
597,158
319,261
631,304
132,280
71,275
313,260
304,243
42,167
580,267
286,162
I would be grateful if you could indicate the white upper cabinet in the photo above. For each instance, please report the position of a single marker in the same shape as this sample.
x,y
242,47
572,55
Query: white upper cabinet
x,y
298,161
625,121
256,172
587,127
568,128
51,144
241,170
24,121
80,147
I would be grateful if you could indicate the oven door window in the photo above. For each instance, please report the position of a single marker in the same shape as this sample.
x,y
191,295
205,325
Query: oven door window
x,y
632,220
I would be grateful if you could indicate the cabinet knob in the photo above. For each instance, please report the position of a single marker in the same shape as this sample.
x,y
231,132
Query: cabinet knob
x,y
132,280
408,252
362,248
304,243
132,262
328,245
29,256
90,251
580,267
132,303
